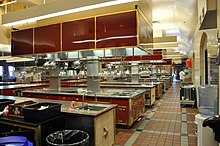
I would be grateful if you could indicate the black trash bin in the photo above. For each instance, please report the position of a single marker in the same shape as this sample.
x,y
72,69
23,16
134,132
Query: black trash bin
x,y
214,123
68,138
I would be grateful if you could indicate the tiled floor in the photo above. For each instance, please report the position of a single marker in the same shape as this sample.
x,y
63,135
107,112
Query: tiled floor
x,y
164,124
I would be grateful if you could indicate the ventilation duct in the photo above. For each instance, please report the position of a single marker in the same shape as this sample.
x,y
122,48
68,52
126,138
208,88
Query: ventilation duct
x,y
84,54
62,56
208,14
120,52
57,57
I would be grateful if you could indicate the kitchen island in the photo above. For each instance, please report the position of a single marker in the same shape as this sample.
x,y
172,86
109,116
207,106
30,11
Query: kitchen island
x,y
152,90
8,83
131,103
167,81
13,90
98,122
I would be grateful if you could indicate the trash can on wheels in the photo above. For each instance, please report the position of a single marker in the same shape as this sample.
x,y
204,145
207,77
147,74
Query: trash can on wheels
x,y
15,141
68,138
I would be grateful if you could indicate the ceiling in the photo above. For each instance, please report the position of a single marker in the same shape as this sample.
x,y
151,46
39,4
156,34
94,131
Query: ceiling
x,y
175,18
170,18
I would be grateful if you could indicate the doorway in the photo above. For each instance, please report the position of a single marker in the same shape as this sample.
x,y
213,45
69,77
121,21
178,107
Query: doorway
x,y
203,60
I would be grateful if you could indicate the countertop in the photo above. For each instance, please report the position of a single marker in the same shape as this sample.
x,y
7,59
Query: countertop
x,y
20,86
119,85
8,83
66,105
104,93
130,84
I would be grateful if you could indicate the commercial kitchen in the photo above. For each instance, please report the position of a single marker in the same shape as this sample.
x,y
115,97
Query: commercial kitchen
x,y
109,72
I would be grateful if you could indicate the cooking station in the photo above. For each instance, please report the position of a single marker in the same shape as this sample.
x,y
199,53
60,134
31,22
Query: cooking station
x,y
167,81
13,90
151,89
74,117
131,103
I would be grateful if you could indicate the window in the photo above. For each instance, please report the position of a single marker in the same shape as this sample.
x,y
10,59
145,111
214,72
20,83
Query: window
x,y
1,70
11,70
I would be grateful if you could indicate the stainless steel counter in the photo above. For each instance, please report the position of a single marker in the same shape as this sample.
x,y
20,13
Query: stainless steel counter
x,y
4,87
104,93
129,84
66,105
8,83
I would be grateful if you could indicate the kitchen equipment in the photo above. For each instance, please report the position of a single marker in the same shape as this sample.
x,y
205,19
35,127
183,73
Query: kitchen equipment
x,y
207,96
214,123
93,77
15,140
39,112
68,138
5,102
205,135
16,110
134,72
188,95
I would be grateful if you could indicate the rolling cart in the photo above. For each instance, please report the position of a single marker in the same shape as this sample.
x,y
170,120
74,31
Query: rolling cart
x,y
188,95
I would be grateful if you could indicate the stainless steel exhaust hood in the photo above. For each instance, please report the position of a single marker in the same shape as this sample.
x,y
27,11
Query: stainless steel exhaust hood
x,y
120,52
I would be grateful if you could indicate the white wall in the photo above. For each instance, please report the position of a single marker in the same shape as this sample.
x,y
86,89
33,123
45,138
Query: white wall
x,y
212,50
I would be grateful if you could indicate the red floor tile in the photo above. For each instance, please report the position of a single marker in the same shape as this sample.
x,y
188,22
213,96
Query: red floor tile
x,y
162,121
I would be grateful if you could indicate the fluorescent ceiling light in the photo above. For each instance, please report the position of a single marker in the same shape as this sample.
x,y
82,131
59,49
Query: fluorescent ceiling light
x,y
84,7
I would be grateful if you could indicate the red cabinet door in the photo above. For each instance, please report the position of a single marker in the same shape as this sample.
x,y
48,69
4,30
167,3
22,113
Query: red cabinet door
x,y
22,42
78,35
116,30
104,100
47,39
8,92
122,115
66,98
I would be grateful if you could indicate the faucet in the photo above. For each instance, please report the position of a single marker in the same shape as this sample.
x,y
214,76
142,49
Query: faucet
x,y
83,98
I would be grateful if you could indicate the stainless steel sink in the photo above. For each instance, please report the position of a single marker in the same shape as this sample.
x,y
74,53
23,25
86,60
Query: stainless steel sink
x,y
69,91
92,108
